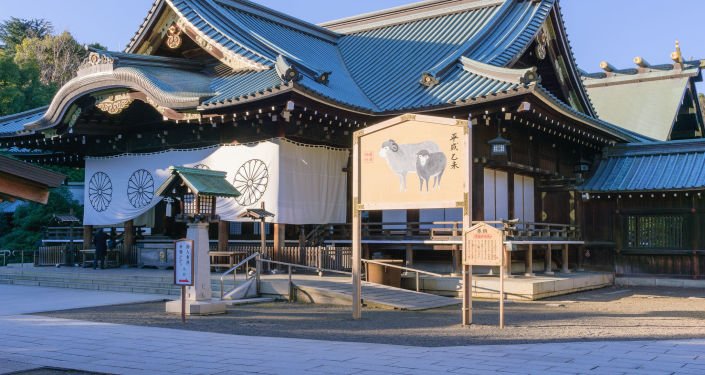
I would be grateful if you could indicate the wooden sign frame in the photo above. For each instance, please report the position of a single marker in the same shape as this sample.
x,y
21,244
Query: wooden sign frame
x,y
464,201
483,246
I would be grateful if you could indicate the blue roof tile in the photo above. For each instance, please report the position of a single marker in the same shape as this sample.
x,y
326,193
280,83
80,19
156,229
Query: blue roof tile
x,y
650,166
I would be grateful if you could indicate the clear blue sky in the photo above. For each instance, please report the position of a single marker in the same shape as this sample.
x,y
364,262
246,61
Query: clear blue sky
x,y
612,30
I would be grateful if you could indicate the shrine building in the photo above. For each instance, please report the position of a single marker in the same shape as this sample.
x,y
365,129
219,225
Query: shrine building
x,y
272,100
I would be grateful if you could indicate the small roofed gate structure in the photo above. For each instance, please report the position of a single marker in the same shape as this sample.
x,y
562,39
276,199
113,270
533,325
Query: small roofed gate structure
x,y
644,210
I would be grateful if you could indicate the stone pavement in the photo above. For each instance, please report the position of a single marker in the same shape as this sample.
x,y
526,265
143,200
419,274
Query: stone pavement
x,y
32,299
121,349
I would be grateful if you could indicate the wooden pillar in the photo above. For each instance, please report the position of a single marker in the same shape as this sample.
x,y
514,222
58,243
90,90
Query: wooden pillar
x,y
565,268
696,241
87,237
508,262
529,271
409,255
356,234
223,235
581,258
128,241
457,261
279,243
548,261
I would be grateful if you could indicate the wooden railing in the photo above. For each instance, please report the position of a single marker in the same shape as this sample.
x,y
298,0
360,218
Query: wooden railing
x,y
335,258
524,231
452,230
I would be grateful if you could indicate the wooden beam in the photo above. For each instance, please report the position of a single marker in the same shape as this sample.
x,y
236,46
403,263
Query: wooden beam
x,y
23,189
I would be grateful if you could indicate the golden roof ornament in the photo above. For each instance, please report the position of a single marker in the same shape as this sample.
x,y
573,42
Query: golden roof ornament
x,y
677,56
173,39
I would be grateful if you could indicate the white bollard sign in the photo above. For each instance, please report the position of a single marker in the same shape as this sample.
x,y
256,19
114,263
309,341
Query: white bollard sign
x,y
183,262
183,269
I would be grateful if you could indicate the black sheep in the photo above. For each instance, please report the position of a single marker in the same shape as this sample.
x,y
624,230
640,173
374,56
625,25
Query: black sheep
x,y
430,164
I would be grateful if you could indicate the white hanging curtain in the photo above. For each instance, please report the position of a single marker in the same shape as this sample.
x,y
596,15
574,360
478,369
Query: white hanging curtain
x,y
300,184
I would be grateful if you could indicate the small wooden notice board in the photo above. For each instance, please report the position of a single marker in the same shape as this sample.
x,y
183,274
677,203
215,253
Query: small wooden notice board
x,y
484,246
183,269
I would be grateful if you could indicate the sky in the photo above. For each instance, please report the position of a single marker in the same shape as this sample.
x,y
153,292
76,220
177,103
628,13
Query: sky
x,y
611,30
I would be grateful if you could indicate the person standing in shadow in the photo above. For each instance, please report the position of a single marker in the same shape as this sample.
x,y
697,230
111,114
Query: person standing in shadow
x,y
100,241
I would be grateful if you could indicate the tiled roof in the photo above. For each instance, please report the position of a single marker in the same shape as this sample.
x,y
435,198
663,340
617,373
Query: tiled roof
x,y
652,166
14,124
467,46
200,181
643,100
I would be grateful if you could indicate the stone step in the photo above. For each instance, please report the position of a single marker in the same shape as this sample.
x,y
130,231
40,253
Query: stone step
x,y
110,281
248,301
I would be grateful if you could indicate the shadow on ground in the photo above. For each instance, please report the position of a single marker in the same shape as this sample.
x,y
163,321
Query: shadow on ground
x,y
605,314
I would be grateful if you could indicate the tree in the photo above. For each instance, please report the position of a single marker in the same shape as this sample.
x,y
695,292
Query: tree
x,y
29,218
58,56
20,87
15,30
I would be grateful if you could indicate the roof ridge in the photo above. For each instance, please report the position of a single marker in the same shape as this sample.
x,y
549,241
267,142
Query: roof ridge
x,y
28,112
639,74
281,18
510,75
405,13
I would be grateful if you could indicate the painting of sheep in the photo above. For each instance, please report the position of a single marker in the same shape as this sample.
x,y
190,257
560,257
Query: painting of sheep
x,y
430,165
402,158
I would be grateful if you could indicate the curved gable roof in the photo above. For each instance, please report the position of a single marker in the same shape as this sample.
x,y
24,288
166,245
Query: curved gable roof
x,y
373,64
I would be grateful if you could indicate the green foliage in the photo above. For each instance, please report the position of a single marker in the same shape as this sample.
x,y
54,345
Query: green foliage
x,y
28,219
34,63
57,57
15,30
74,174
98,46
20,87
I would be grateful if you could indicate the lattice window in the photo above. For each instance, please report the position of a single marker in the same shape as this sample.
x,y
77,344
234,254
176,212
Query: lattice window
x,y
655,232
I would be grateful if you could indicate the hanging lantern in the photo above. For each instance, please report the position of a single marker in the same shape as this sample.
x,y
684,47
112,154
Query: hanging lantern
x,y
499,146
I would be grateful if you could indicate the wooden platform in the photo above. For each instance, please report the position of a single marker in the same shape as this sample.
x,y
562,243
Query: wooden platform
x,y
338,291
523,288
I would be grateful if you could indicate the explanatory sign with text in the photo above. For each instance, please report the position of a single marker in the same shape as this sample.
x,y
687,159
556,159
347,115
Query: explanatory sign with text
x,y
483,246
183,262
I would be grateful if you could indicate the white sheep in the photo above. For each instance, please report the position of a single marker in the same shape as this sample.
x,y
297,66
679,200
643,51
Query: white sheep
x,y
402,158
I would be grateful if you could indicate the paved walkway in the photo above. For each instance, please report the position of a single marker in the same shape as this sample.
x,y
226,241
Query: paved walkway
x,y
379,294
32,341
18,299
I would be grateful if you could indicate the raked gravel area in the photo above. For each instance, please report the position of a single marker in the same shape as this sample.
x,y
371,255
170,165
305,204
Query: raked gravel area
x,y
638,313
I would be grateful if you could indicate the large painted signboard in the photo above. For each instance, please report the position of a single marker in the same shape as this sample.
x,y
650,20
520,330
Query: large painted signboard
x,y
183,262
409,162
412,161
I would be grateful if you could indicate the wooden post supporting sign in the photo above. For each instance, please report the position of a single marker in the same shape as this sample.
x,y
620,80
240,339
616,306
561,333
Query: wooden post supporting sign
x,y
484,246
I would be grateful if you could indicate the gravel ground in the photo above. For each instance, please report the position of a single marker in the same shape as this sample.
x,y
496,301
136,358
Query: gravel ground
x,y
604,314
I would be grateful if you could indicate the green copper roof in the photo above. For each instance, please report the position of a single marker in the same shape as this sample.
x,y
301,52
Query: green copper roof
x,y
644,100
200,181
650,166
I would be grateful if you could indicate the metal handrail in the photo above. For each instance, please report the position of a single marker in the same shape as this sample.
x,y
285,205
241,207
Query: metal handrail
x,y
233,269
417,271
318,269
289,266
